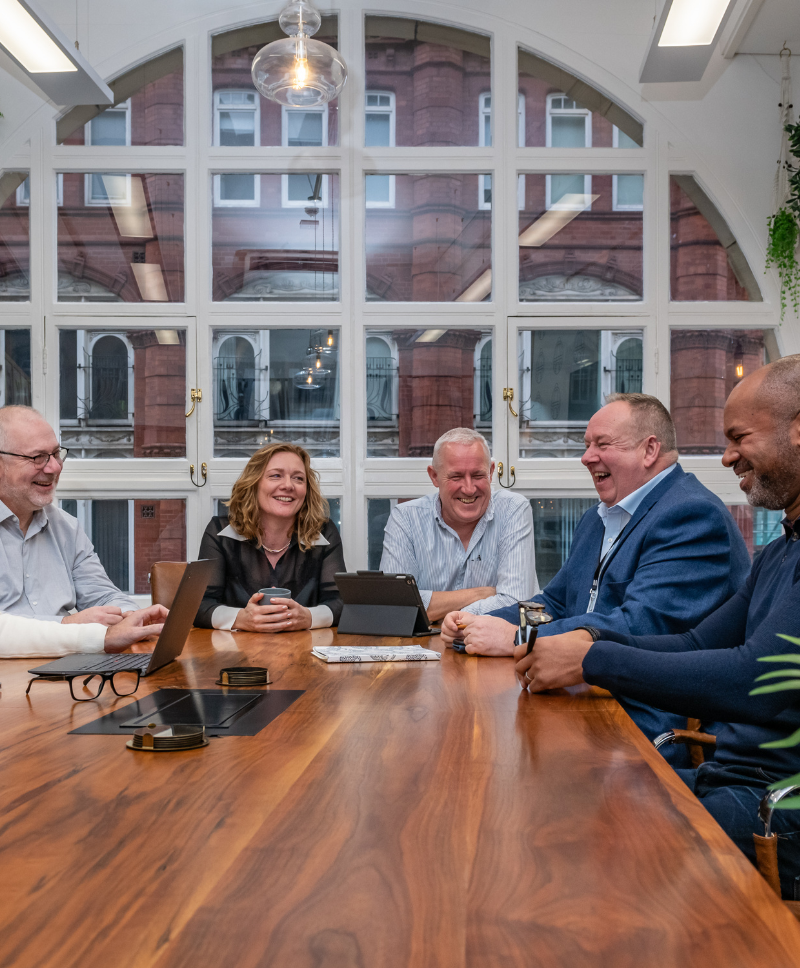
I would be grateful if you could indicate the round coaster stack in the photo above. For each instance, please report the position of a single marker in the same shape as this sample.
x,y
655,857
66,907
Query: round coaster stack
x,y
244,676
168,739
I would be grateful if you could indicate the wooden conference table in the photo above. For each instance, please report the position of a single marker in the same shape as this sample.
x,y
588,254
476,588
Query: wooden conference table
x,y
395,815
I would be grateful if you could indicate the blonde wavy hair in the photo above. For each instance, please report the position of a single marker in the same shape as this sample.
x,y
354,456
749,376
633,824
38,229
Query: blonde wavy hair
x,y
244,514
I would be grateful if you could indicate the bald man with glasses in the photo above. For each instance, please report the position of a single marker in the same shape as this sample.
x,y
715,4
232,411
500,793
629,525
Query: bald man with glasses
x,y
48,567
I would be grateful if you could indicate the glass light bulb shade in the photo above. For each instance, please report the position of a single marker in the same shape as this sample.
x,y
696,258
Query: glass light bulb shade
x,y
307,379
281,73
300,17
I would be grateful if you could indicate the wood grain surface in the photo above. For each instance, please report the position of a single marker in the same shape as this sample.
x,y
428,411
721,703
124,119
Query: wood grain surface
x,y
399,815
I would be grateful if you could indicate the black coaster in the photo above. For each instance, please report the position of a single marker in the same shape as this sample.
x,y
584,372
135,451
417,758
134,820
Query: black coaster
x,y
239,676
244,715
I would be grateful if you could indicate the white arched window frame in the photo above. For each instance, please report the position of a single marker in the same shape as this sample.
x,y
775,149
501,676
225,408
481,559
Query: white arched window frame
x,y
259,342
87,343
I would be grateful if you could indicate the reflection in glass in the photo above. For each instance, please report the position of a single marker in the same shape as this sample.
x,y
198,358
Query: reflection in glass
x,y
564,376
577,241
705,365
433,244
120,238
438,75
241,116
122,393
422,383
15,367
559,110
554,523
15,283
378,511
275,238
276,385
758,526
129,535
706,263
148,109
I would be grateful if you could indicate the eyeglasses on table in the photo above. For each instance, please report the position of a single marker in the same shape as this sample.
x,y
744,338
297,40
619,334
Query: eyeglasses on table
x,y
124,682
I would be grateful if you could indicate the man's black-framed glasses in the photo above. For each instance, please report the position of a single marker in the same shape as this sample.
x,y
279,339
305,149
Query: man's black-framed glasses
x,y
84,688
39,460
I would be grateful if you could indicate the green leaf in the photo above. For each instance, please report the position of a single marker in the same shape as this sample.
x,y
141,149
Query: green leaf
x,y
786,782
782,744
776,687
789,638
791,673
791,657
788,803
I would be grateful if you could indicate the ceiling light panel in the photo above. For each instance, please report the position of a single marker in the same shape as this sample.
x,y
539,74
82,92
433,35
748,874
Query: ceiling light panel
x,y
692,23
29,43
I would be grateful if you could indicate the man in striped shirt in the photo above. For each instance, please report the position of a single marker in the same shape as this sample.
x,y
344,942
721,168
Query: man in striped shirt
x,y
469,548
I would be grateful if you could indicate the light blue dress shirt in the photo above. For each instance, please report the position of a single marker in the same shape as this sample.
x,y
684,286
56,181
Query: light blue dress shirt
x,y
616,517
52,568
500,552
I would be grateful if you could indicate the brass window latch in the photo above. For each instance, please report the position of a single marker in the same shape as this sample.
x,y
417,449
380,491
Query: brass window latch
x,y
508,394
511,473
196,397
203,474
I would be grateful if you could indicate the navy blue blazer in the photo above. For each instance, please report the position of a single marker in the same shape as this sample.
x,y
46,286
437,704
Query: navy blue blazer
x,y
678,559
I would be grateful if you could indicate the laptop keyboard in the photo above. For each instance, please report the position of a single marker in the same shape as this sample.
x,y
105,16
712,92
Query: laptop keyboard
x,y
115,663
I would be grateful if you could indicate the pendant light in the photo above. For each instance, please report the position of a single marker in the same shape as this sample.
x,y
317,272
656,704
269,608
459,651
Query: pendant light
x,y
298,71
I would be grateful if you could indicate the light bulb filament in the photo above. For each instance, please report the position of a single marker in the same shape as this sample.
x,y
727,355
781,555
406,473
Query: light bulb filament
x,y
318,362
330,337
301,70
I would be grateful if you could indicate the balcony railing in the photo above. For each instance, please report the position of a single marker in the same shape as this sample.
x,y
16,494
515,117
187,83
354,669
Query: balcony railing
x,y
381,388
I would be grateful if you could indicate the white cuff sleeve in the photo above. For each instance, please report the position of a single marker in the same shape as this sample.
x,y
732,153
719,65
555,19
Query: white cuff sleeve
x,y
23,637
224,616
321,617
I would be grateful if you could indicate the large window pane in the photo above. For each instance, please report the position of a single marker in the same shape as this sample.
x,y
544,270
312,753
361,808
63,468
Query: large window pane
x,y
120,238
147,109
437,73
556,109
758,526
15,259
15,367
129,535
276,385
122,392
580,238
422,383
241,116
706,263
432,243
705,365
275,238
378,511
564,375
554,523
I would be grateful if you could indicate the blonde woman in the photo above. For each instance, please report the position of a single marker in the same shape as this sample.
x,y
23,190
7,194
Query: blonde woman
x,y
278,534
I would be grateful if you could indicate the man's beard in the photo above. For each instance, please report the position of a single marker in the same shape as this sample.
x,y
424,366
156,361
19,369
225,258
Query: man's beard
x,y
776,489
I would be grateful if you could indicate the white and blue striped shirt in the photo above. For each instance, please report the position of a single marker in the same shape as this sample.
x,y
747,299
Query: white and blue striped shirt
x,y
500,552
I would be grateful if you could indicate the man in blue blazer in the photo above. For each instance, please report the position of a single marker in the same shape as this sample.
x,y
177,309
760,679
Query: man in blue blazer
x,y
655,557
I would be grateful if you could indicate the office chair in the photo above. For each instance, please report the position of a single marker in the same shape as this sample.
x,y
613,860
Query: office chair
x,y
165,576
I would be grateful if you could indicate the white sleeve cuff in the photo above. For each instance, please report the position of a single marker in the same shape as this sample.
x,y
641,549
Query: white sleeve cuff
x,y
91,638
321,617
224,616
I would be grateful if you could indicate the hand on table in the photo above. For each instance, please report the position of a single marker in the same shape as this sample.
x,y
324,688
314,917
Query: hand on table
x,y
99,614
556,661
482,634
274,615
135,626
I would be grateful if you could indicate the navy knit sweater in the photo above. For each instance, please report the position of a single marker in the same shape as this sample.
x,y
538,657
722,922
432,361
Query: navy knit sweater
x,y
708,672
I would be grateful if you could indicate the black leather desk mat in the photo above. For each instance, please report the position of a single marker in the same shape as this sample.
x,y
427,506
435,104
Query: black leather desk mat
x,y
224,712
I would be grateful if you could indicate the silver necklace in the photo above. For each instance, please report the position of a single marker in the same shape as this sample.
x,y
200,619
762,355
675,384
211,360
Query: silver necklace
x,y
277,551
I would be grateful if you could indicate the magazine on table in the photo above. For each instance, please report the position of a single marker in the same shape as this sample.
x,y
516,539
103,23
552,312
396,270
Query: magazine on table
x,y
371,653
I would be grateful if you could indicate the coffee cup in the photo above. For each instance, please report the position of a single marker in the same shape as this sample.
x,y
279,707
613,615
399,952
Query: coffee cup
x,y
269,593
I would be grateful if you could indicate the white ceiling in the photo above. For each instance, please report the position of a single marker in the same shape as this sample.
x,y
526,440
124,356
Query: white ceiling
x,y
777,21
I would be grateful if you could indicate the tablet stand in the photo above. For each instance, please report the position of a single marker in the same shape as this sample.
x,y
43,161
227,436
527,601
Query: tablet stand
x,y
382,620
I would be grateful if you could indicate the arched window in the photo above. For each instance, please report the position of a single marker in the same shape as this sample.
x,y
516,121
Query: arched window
x,y
381,379
108,379
235,376
628,378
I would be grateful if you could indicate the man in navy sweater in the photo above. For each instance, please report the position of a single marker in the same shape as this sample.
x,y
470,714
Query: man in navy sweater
x,y
709,671
657,555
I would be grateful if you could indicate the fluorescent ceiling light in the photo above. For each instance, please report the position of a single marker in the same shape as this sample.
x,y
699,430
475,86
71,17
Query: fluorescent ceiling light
x,y
430,335
692,23
133,219
553,220
39,47
168,337
26,40
150,280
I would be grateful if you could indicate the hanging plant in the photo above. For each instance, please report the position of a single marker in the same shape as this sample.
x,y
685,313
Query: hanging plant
x,y
781,246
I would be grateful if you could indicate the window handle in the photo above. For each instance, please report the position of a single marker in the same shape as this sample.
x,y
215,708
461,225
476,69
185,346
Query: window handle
x,y
196,396
511,474
508,394
203,474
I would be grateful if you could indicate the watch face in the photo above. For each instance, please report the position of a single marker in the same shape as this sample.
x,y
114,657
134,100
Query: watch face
x,y
533,613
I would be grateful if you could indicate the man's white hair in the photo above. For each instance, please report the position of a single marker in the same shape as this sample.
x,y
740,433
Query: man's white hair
x,y
8,414
460,435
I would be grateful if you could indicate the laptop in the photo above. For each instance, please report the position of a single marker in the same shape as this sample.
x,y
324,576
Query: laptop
x,y
168,647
